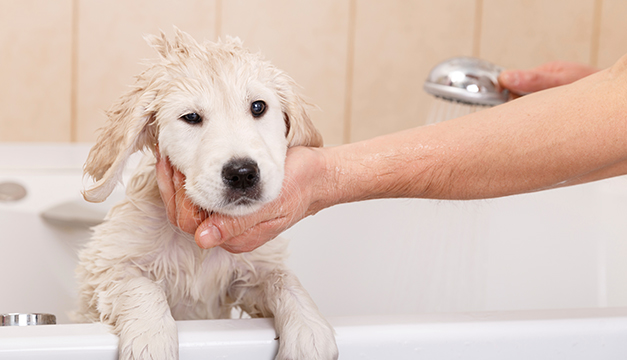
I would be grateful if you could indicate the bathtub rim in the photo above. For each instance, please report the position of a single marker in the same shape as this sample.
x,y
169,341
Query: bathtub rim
x,y
571,332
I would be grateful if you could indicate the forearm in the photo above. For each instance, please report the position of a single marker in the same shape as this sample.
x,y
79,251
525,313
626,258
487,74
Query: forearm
x,y
566,135
563,136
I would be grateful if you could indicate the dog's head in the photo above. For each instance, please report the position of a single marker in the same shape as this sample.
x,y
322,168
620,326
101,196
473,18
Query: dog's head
x,y
222,115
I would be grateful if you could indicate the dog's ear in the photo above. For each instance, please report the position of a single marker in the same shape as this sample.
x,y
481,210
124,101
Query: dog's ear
x,y
300,129
183,44
130,128
234,42
160,44
131,124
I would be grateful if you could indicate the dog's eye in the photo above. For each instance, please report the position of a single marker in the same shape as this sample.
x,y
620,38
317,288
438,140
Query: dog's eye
x,y
191,118
257,108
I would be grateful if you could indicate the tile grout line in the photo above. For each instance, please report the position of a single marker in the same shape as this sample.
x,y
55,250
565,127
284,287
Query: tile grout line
x,y
350,62
476,47
596,33
74,73
218,28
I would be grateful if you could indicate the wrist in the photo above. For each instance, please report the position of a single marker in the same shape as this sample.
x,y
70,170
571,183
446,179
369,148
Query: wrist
x,y
323,182
391,166
348,173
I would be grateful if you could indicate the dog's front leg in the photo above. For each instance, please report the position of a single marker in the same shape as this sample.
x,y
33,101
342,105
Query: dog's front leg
x,y
138,310
303,332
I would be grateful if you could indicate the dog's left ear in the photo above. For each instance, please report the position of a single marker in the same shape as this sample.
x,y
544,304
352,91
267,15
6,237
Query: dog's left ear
x,y
130,128
300,129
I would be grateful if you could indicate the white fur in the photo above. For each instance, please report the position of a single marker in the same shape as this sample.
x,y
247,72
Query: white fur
x,y
139,273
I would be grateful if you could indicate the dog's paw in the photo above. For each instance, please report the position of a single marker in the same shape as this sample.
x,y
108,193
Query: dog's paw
x,y
307,341
150,344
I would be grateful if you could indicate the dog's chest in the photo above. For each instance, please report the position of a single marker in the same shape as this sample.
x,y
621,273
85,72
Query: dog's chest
x,y
195,281
198,288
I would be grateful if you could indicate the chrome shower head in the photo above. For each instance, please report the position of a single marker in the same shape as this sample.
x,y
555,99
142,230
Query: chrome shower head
x,y
467,80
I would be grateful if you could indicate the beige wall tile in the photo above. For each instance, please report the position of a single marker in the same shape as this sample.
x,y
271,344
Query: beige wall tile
x,y
527,33
613,34
35,70
111,47
396,45
308,40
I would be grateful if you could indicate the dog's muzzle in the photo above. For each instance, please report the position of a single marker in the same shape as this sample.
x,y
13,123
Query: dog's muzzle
x,y
242,180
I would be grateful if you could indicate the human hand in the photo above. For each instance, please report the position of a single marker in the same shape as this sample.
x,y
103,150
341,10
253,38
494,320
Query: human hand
x,y
543,77
298,199
182,213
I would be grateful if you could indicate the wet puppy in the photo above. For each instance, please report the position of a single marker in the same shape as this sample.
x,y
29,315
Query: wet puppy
x,y
224,117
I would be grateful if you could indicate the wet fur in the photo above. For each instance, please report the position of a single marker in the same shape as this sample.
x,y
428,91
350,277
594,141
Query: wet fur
x,y
139,273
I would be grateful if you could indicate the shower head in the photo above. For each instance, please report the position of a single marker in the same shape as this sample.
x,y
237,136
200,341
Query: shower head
x,y
467,80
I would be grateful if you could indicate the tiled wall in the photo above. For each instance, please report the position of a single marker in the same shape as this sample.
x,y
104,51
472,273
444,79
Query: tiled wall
x,y
63,62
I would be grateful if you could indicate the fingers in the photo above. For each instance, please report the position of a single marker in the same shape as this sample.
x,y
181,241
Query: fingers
x,y
249,240
180,210
256,236
166,186
187,215
545,76
527,81
235,234
241,234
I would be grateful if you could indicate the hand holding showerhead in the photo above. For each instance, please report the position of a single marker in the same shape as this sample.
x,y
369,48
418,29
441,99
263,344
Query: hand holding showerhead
x,y
467,80
545,76
466,85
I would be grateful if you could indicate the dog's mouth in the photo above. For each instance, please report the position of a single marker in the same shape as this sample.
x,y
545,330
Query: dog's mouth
x,y
242,197
233,204
228,201
241,202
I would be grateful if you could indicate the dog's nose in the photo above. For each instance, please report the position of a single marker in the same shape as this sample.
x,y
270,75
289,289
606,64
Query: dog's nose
x,y
240,174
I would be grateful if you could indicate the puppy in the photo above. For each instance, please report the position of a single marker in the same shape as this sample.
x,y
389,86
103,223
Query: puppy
x,y
224,117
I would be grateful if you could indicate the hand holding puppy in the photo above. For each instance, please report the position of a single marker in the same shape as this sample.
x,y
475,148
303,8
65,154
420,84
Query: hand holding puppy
x,y
409,164
301,190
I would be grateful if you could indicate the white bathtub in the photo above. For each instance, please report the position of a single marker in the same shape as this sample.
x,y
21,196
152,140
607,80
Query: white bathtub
x,y
399,279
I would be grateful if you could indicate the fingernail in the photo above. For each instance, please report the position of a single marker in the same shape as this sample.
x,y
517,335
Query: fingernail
x,y
209,237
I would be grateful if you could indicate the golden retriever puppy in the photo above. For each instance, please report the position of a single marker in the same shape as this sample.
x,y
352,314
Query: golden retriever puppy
x,y
225,118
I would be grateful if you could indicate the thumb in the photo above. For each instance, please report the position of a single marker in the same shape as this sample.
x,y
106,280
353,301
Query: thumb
x,y
208,235
217,229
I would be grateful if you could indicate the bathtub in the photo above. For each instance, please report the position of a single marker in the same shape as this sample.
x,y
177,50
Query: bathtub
x,y
536,276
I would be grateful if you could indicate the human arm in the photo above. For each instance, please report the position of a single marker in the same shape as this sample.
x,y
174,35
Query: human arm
x,y
559,137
